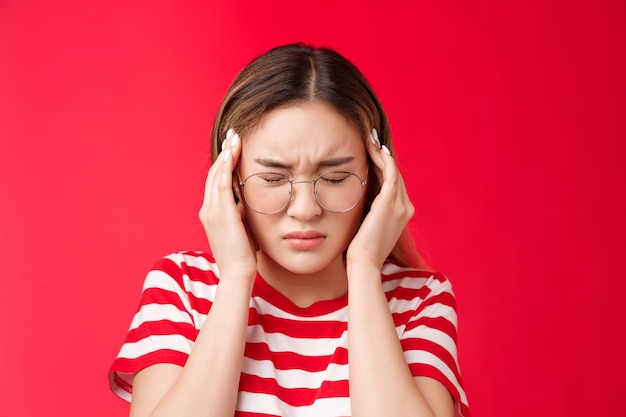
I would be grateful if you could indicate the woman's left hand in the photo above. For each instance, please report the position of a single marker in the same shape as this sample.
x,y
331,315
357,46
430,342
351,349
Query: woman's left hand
x,y
390,212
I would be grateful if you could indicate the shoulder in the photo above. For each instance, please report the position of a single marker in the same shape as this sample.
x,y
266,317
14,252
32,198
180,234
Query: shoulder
x,y
417,290
186,260
183,269
395,277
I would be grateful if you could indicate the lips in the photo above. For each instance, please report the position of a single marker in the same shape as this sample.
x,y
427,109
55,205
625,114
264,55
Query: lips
x,y
308,239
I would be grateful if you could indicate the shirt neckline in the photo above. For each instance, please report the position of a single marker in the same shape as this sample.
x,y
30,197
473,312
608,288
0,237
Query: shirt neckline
x,y
274,297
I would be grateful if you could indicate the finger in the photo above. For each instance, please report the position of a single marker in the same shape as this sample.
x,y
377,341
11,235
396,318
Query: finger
x,y
229,134
219,177
227,161
397,186
385,170
393,189
390,169
373,149
381,156
394,178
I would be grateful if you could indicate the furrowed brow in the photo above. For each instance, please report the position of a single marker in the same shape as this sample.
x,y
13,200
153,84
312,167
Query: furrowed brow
x,y
334,162
271,163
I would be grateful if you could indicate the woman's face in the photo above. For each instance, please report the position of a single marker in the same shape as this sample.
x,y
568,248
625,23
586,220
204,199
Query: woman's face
x,y
302,141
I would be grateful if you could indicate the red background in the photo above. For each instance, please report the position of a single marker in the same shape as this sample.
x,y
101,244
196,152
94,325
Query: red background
x,y
509,123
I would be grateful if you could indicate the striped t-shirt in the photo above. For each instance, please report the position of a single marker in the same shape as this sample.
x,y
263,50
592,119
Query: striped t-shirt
x,y
296,359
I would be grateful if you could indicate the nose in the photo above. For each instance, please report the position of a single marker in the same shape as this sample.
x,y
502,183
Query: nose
x,y
303,204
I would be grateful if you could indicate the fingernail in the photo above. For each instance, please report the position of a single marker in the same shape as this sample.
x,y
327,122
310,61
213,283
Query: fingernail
x,y
229,134
386,150
235,140
374,137
226,156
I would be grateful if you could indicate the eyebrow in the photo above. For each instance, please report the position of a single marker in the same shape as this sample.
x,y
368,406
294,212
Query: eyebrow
x,y
332,162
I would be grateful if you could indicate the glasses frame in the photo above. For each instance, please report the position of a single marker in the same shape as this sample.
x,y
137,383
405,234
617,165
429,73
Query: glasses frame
x,y
242,184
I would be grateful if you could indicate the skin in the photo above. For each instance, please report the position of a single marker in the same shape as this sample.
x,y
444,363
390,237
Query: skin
x,y
302,142
299,140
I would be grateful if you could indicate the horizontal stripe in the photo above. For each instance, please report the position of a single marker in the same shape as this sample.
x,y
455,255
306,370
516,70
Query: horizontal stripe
x,y
268,404
409,273
439,351
292,360
173,296
159,281
153,343
295,397
403,306
440,323
303,346
157,312
295,378
200,260
404,293
298,328
269,309
161,327
391,268
432,372
435,335
127,368
183,286
392,283
433,309
427,358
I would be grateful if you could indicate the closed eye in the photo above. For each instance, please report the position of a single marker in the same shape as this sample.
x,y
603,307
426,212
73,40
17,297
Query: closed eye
x,y
272,178
335,178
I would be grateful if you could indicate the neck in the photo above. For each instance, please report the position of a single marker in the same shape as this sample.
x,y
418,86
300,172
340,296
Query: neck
x,y
305,289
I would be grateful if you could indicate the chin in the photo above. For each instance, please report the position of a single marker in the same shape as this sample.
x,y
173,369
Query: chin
x,y
306,263
304,267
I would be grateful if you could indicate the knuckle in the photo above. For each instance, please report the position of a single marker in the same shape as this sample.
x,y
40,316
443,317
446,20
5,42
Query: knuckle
x,y
205,212
223,186
405,211
410,211
203,215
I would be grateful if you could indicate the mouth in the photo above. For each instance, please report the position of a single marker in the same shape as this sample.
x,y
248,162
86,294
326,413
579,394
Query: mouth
x,y
303,240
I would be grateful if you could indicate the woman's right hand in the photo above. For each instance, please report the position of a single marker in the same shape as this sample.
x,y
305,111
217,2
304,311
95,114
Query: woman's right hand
x,y
166,389
223,218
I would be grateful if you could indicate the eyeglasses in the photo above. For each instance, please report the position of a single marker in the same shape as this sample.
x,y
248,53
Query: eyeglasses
x,y
271,192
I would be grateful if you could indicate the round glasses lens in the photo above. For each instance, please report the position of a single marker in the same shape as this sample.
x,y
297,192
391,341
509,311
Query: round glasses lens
x,y
267,192
338,191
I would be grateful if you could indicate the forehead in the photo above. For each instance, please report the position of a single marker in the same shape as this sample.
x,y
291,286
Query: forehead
x,y
301,133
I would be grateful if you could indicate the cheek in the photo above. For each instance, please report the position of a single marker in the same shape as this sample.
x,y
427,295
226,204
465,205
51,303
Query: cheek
x,y
257,224
357,219
350,224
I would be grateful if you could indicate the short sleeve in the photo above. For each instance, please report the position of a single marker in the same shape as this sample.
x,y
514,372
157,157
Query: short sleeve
x,y
424,309
165,325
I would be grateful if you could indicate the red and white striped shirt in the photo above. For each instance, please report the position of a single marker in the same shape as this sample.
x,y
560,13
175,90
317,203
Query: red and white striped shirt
x,y
296,359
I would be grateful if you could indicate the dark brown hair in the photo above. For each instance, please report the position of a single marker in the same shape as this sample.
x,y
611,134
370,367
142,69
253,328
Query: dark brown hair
x,y
300,73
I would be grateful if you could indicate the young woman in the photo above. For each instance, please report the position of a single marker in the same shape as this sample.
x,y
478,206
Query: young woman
x,y
312,301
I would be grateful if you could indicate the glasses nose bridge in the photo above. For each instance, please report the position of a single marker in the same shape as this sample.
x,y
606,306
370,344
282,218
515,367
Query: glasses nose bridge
x,y
303,182
313,182
313,189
